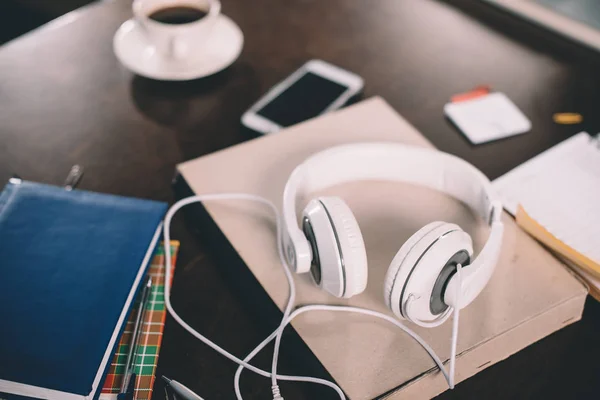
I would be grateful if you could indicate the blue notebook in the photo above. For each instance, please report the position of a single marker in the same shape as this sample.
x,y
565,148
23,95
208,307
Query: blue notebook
x,y
70,266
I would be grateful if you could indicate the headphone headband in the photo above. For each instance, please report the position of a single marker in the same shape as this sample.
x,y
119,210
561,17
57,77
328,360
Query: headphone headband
x,y
396,162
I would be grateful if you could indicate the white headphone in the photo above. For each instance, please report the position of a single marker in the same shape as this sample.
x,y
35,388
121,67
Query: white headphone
x,y
420,283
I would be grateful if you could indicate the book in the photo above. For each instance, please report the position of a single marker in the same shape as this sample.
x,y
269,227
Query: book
x,y
149,343
530,295
72,262
555,196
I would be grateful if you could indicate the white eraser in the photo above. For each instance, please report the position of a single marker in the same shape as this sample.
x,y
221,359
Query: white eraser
x,y
490,117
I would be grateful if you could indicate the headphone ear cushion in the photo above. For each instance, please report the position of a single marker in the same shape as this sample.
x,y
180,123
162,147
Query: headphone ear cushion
x,y
392,272
344,239
417,270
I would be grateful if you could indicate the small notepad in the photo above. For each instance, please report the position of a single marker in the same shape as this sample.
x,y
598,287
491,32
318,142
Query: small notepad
x,y
490,117
556,197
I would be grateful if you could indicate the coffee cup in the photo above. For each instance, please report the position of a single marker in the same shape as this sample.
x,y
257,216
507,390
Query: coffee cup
x,y
177,29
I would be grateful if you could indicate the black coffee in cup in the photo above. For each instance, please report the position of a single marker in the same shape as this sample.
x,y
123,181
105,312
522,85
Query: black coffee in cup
x,y
177,15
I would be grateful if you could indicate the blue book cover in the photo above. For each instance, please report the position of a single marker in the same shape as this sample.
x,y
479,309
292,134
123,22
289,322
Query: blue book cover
x,y
71,263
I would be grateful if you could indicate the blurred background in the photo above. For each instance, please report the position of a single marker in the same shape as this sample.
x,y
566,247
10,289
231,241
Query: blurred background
x,y
20,16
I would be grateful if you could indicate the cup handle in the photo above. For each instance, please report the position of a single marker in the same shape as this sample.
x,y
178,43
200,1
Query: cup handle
x,y
173,48
215,8
140,23
176,48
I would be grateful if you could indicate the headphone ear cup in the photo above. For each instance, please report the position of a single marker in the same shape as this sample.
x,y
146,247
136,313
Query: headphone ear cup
x,y
417,267
393,270
339,256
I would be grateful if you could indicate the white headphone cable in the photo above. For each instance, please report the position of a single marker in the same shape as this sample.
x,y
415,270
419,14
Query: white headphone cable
x,y
167,237
448,375
286,318
455,327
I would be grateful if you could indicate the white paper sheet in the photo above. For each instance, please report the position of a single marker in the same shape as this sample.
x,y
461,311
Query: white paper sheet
x,y
490,117
560,189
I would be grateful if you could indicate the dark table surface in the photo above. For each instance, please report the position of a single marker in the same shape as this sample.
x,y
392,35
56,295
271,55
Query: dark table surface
x,y
64,100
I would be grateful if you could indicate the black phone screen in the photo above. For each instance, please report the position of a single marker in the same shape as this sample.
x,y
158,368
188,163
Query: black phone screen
x,y
306,98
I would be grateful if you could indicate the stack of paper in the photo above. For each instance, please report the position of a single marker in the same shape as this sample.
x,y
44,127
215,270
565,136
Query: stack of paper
x,y
556,198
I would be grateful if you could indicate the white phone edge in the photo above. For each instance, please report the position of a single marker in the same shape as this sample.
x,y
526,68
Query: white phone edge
x,y
351,81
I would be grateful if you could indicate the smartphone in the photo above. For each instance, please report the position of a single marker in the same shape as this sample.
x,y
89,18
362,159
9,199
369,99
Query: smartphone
x,y
314,89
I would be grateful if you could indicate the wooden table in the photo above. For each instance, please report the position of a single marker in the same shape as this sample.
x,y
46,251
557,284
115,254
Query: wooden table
x,y
64,99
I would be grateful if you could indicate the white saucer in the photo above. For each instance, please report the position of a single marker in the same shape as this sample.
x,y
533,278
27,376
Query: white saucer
x,y
135,52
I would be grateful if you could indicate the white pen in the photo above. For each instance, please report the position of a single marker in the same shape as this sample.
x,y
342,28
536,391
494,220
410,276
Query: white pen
x,y
181,390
